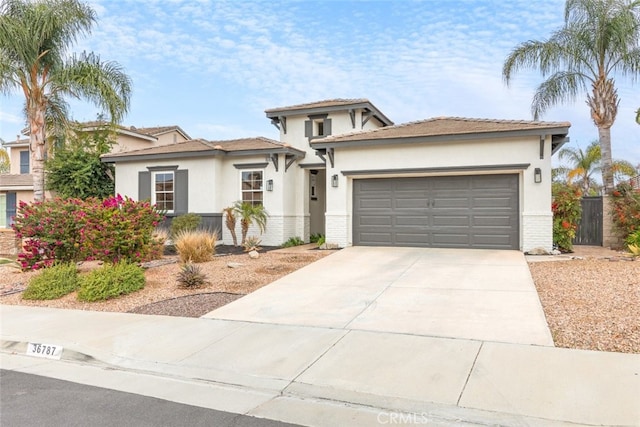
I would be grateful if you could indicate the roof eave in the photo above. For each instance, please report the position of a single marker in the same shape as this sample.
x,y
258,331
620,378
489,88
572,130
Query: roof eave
x,y
204,153
559,131
284,112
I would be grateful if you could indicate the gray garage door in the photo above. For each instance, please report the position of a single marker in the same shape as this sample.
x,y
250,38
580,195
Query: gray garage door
x,y
443,212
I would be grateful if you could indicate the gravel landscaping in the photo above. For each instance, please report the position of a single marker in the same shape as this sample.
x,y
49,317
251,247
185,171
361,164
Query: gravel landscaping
x,y
591,302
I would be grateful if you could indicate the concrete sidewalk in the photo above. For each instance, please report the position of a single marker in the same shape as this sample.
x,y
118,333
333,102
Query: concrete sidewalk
x,y
329,376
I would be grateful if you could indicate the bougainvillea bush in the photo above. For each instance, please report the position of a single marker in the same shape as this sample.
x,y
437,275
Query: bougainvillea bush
x,y
626,210
567,212
71,230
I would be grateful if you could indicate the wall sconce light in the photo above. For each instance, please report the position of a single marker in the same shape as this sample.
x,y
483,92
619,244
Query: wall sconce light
x,y
270,185
334,181
537,175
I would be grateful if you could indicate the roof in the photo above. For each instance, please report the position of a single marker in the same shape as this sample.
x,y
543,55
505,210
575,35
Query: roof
x,y
193,147
326,106
442,128
154,131
17,143
10,182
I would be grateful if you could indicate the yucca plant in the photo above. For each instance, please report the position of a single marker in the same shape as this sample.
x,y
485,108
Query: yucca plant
x,y
191,276
195,246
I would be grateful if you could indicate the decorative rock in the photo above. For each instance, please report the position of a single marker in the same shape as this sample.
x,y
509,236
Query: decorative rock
x,y
254,255
234,264
325,246
556,252
538,251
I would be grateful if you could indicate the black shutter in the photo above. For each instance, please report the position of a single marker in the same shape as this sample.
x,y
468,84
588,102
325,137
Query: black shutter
x,y
308,128
182,192
144,185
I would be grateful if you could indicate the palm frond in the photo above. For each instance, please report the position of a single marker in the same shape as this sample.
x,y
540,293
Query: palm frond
x,y
561,86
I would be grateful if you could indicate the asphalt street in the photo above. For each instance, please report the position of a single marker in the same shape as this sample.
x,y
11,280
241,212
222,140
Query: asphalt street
x,y
32,400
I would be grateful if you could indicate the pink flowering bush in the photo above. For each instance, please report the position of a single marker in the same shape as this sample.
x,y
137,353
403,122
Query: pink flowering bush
x,y
68,230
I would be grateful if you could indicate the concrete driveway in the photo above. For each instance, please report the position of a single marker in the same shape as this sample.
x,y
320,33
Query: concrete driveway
x,y
484,295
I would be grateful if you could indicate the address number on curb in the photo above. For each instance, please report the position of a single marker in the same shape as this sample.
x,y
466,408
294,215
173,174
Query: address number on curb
x,y
47,351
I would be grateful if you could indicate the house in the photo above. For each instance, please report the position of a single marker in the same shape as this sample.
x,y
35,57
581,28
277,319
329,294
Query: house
x,y
17,185
343,169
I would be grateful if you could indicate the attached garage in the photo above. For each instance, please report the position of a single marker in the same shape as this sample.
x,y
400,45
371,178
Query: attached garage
x,y
479,211
447,182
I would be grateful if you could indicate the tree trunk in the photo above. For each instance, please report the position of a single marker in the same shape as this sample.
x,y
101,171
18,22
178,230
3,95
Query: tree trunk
x,y
604,108
37,149
604,134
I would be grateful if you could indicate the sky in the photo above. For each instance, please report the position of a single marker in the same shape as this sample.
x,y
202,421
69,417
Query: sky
x,y
213,67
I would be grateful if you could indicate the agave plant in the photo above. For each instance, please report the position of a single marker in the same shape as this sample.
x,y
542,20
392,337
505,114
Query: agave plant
x,y
191,276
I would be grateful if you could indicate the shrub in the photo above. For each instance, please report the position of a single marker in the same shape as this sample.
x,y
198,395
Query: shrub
x,y
195,246
191,276
315,237
69,230
54,282
626,210
252,243
293,241
186,222
633,242
111,281
566,214
321,241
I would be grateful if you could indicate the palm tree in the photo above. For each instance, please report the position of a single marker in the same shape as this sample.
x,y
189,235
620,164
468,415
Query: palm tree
x,y
5,161
249,214
231,222
583,165
34,38
600,38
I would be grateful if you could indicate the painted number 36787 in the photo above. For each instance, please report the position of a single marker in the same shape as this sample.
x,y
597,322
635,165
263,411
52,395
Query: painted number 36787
x,y
44,350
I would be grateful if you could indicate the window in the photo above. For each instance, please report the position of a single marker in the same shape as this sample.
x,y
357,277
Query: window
x,y
3,210
7,209
163,191
318,126
24,161
252,187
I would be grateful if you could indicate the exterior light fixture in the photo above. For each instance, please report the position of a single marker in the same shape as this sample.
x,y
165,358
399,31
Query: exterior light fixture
x,y
334,181
270,185
537,175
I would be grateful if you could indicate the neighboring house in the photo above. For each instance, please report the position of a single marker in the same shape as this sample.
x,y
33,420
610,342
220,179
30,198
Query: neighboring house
x,y
342,169
17,185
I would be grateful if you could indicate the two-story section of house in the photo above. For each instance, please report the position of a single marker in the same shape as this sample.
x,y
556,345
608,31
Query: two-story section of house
x,y
17,185
303,124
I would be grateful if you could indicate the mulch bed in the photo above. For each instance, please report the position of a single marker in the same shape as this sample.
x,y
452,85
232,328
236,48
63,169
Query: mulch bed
x,y
196,305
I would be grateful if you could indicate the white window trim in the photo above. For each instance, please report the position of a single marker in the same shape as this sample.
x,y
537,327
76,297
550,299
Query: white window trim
x,y
153,188
261,186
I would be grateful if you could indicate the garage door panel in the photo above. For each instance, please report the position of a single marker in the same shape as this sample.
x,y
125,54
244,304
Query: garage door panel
x,y
375,203
412,239
456,211
491,202
456,221
375,220
411,220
